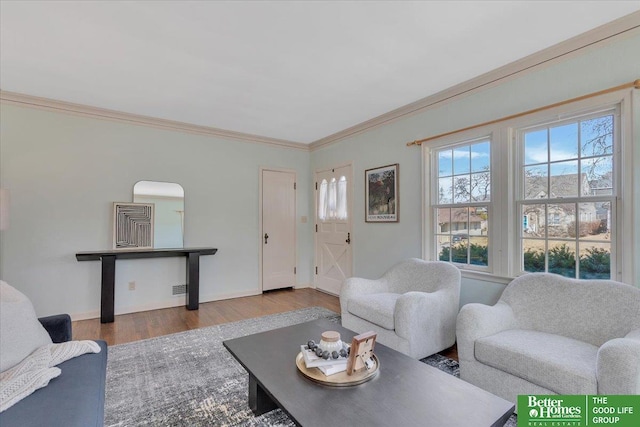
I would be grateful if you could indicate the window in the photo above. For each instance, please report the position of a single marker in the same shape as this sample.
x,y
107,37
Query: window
x,y
567,175
461,210
322,200
332,199
537,193
341,209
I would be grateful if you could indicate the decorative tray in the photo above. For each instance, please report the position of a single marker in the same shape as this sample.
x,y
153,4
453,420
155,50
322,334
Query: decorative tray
x,y
341,379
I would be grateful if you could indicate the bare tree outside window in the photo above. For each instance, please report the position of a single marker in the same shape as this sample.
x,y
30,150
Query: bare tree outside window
x,y
462,210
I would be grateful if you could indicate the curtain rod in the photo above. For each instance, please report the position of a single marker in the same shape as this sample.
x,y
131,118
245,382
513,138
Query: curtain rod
x,y
634,84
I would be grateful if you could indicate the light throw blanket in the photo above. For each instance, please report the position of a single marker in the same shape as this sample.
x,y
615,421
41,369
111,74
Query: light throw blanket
x,y
36,370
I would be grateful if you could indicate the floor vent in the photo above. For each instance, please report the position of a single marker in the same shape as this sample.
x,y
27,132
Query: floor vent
x,y
179,289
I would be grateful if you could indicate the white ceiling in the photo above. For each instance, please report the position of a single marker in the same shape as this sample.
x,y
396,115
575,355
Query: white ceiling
x,y
297,71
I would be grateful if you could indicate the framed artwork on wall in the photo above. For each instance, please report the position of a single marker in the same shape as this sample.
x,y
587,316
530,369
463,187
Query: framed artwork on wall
x,y
381,194
133,225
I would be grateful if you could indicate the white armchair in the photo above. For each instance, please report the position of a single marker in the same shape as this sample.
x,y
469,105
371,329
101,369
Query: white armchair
x,y
552,335
412,307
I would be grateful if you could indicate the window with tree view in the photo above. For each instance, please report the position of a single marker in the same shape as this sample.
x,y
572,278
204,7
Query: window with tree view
x,y
461,211
567,197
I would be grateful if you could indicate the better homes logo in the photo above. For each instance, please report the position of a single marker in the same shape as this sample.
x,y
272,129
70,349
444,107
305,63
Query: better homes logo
x,y
579,410
551,411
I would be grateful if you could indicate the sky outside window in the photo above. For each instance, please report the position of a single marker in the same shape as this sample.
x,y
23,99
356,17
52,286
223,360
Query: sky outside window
x,y
535,147
563,142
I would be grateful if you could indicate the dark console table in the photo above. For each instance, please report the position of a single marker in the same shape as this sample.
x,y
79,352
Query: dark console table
x,y
109,258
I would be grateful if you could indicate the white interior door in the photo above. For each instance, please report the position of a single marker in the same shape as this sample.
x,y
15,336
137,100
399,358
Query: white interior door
x,y
278,229
334,189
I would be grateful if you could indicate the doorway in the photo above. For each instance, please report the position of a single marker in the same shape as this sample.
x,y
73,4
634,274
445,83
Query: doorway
x,y
333,249
278,229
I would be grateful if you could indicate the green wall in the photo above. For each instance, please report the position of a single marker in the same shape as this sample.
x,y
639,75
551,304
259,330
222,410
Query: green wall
x,y
379,246
65,171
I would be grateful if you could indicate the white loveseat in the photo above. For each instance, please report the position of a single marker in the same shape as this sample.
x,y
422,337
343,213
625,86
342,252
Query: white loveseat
x,y
412,307
552,335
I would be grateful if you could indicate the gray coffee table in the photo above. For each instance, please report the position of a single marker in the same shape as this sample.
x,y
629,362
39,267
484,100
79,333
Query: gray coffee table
x,y
406,392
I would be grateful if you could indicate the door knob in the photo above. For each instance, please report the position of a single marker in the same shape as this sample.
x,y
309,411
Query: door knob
x,y
266,236
348,238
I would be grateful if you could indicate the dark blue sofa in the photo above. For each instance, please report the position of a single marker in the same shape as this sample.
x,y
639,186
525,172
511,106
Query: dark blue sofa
x,y
75,398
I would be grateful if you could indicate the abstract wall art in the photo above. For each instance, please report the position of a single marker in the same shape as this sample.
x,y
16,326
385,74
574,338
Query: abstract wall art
x,y
133,225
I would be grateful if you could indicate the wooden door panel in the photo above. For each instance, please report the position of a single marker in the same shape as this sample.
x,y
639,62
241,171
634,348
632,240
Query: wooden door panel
x,y
334,261
278,222
341,227
333,252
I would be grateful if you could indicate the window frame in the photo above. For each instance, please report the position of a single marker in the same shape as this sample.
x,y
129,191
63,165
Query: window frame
x,y
520,200
504,238
434,201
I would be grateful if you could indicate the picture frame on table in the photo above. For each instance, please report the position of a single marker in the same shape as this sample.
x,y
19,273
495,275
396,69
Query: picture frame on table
x,y
361,352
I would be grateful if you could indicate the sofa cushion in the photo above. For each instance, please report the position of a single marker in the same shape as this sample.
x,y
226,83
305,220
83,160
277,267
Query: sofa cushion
x,y
375,308
75,398
558,363
20,331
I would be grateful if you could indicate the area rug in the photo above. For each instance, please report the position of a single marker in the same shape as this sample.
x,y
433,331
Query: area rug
x,y
190,379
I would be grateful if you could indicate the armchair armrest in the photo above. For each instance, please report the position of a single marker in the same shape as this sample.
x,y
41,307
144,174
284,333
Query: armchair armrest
x,y
618,365
355,286
425,314
58,327
634,335
478,320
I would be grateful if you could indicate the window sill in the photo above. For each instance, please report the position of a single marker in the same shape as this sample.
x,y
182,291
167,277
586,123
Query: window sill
x,y
486,277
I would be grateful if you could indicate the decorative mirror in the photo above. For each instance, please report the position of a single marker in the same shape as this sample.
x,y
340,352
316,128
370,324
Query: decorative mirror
x,y
168,200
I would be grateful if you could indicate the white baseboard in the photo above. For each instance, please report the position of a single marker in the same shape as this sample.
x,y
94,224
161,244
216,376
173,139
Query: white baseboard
x,y
85,316
176,301
328,293
303,285
230,295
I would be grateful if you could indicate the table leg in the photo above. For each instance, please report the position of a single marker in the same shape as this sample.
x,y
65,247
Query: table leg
x,y
193,280
108,288
259,400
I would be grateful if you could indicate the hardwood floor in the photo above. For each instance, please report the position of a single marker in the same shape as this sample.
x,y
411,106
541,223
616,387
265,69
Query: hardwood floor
x,y
149,324
154,323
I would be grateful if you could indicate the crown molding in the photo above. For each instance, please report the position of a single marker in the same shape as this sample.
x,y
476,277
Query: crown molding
x,y
627,25
23,100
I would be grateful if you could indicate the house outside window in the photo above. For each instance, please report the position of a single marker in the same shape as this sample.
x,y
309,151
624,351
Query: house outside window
x,y
461,211
567,170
